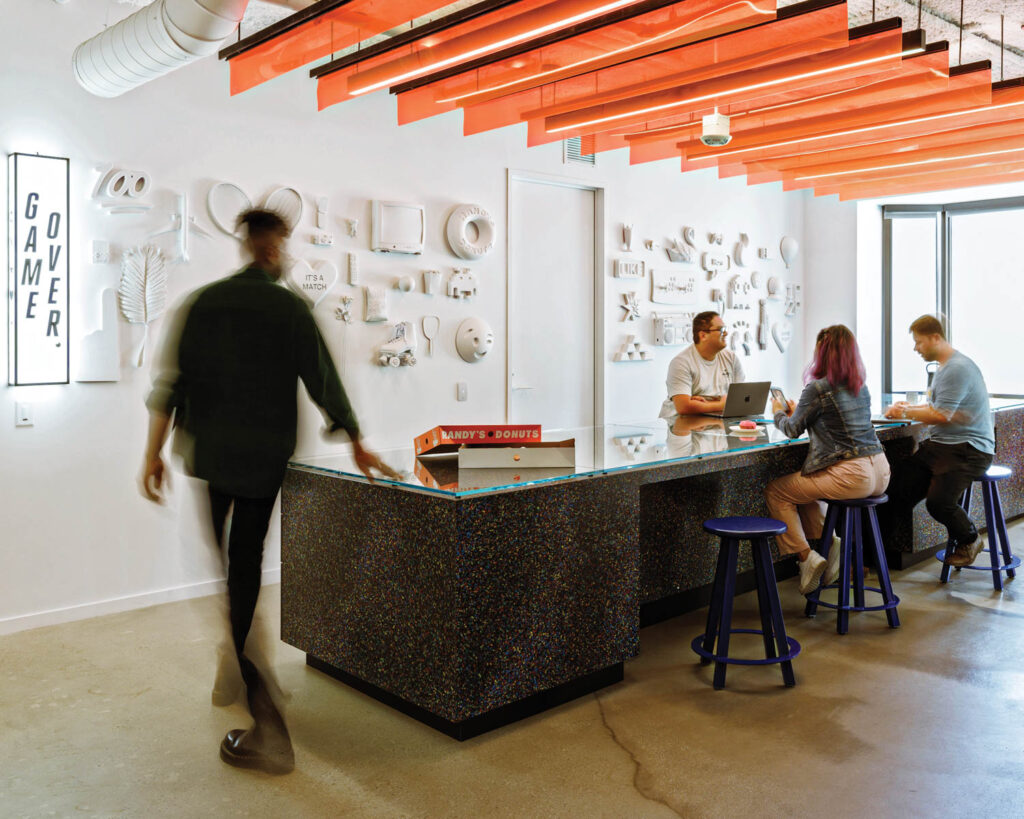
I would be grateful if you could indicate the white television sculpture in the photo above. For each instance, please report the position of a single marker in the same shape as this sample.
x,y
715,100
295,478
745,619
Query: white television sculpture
x,y
398,227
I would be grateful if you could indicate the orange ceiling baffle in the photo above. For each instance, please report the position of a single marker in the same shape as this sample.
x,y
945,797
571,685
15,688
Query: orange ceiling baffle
x,y
313,33
636,32
924,183
968,89
763,44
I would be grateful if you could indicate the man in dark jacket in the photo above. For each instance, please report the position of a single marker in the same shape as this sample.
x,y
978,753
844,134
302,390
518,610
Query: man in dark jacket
x,y
230,385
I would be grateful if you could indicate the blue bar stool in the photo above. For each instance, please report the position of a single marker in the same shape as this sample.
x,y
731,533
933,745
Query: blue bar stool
x,y
852,515
778,648
995,524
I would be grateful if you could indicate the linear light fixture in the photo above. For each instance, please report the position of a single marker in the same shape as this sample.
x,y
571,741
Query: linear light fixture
x,y
920,163
536,24
560,123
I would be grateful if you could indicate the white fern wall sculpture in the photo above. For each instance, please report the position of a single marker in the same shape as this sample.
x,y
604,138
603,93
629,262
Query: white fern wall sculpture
x,y
143,290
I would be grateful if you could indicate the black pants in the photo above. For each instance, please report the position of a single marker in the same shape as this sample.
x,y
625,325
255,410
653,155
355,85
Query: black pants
x,y
250,520
938,474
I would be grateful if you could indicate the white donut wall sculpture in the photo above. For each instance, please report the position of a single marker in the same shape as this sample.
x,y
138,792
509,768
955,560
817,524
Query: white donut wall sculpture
x,y
458,234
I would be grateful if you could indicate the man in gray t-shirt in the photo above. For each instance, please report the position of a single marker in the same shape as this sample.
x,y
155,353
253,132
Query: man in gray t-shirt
x,y
961,446
699,377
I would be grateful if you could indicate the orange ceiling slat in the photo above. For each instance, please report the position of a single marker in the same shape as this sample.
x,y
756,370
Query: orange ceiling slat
x,y
968,90
785,38
668,27
344,25
963,178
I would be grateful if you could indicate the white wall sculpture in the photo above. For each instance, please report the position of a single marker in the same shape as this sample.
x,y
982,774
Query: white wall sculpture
x,y
376,303
741,337
789,248
673,330
762,324
183,223
353,269
312,281
690,237
774,288
633,350
431,282
463,223
462,284
287,203
792,299
400,348
121,191
405,284
631,306
343,312
627,237
629,269
226,200
738,294
100,358
782,332
740,249
474,340
679,251
714,262
143,289
673,287
431,327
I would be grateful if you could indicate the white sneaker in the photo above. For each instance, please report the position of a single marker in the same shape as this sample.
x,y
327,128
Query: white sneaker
x,y
832,570
811,571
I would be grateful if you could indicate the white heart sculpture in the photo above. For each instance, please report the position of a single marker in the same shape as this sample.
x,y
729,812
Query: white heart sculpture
x,y
789,248
313,282
782,332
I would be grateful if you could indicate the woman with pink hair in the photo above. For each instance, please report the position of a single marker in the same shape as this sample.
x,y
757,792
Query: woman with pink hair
x,y
845,459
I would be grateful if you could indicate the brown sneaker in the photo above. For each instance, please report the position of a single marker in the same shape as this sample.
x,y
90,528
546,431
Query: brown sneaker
x,y
966,555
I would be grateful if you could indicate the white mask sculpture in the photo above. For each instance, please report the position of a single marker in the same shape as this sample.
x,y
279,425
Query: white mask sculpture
x,y
474,339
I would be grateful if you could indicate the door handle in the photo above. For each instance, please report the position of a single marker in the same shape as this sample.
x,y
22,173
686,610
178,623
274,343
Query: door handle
x,y
523,388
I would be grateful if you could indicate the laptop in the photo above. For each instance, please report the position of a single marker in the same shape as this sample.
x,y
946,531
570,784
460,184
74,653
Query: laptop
x,y
745,400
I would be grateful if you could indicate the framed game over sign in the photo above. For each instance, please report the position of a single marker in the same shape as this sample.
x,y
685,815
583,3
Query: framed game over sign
x,y
37,284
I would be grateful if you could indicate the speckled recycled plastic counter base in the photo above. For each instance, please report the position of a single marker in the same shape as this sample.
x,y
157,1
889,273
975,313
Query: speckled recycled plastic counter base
x,y
468,613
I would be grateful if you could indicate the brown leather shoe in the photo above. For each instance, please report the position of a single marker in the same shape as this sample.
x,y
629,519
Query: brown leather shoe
x,y
966,555
237,749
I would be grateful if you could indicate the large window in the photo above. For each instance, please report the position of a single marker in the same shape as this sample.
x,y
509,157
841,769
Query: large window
x,y
964,263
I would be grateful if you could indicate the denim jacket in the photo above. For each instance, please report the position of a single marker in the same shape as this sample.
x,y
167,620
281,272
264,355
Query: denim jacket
x,y
837,423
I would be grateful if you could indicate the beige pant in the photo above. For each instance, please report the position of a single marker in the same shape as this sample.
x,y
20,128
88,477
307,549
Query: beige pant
x,y
796,499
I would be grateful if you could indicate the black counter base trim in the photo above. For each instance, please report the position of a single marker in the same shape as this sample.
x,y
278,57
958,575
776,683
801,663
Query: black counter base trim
x,y
657,611
482,723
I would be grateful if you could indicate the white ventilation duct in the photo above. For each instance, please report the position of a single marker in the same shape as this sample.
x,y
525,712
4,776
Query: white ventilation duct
x,y
154,41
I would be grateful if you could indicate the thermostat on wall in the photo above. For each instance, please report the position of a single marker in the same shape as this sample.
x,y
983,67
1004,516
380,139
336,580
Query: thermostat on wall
x,y
398,227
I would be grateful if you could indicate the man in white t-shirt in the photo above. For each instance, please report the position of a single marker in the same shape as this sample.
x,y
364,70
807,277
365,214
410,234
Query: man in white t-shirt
x,y
699,377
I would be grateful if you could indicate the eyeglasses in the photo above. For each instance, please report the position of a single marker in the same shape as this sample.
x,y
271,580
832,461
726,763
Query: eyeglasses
x,y
719,330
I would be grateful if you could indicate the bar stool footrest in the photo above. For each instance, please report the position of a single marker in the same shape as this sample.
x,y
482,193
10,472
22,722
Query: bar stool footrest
x,y
698,648
895,600
1006,567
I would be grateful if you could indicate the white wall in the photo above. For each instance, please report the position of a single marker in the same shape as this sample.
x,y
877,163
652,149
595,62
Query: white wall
x,y
78,540
830,266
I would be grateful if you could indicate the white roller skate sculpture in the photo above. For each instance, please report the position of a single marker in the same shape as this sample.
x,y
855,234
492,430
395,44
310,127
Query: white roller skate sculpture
x,y
400,349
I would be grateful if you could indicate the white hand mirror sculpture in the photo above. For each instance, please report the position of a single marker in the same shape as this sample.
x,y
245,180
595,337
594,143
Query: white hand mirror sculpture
x,y
789,248
474,339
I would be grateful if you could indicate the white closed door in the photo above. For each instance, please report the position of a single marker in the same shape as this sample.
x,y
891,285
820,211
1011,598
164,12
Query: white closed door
x,y
551,284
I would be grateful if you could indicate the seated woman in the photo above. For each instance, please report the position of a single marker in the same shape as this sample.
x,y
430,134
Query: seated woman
x,y
845,459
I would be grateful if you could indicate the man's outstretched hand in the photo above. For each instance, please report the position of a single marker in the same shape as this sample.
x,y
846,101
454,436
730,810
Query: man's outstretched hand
x,y
369,463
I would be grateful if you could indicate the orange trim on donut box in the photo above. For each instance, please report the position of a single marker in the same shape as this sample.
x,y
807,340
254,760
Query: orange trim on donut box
x,y
449,437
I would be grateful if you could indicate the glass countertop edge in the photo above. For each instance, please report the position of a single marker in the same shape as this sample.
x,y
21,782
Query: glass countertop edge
x,y
593,473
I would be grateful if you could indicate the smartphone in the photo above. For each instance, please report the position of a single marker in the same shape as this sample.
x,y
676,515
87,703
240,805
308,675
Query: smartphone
x,y
779,396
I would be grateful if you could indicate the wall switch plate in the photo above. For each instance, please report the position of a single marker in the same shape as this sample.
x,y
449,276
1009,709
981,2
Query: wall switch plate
x,y
100,251
22,414
462,391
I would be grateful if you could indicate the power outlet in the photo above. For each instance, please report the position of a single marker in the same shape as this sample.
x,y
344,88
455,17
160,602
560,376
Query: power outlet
x,y
22,414
461,391
100,251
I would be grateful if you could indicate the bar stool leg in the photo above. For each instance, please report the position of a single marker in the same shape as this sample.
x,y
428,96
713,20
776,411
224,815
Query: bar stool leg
x,y
763,605
831,521
858,558
965,504
843,599
1003,536
883,568
717,593
993,551
772,590
722,649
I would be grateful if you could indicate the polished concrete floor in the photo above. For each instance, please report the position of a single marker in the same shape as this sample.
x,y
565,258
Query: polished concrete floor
x,y
112,717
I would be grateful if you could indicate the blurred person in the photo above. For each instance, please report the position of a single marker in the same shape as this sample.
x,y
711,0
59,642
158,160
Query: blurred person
x,y
959,450
229,379
845,459
699,376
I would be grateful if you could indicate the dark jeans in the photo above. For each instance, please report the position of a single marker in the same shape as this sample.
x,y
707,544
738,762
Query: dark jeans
x,y
250,520
938,474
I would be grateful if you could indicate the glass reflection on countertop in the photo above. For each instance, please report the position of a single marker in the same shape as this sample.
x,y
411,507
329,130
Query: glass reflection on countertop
x,y
599,451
